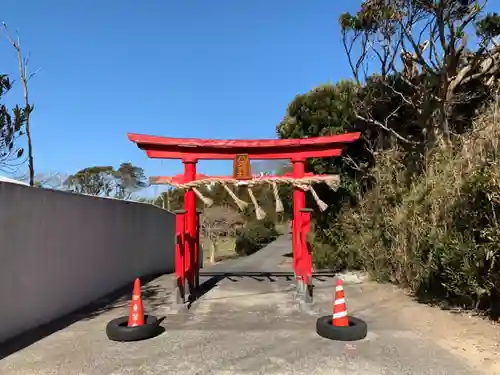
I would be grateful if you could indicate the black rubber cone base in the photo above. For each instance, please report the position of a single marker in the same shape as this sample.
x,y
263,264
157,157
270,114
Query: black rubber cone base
x,y
357,329
117,329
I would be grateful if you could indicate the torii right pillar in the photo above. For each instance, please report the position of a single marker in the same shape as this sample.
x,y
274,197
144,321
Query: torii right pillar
x,y
306,254
299,203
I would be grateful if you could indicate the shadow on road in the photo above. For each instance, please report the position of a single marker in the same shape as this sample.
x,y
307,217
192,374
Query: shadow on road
x,y
215,277
153,295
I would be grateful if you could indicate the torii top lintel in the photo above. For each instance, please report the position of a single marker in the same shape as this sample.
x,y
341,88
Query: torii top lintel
x,y
214,149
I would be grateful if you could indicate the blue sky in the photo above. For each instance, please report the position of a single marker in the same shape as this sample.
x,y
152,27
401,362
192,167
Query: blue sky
x,y
209,69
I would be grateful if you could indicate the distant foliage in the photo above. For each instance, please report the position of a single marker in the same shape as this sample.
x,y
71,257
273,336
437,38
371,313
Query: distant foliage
x,y
107,182
254,236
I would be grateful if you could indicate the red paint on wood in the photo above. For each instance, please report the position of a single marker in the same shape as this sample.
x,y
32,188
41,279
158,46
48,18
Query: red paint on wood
x,y
192,143
191,219
263,154
212,149
299,202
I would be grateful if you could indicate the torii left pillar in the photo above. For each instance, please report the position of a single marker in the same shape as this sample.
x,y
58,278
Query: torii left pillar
x,y
180,264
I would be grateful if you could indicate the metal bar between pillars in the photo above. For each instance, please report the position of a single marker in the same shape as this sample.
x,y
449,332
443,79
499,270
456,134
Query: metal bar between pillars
x,y
180,275
197,255
306,254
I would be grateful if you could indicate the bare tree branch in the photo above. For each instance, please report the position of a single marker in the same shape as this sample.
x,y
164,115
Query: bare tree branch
x,y
217,222
50,180
24,77
435,78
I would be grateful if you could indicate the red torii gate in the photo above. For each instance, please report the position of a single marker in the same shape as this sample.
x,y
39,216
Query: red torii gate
x,y
190,150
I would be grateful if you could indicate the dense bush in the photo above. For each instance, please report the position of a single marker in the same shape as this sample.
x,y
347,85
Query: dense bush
x,y
254,236
438,235
420,192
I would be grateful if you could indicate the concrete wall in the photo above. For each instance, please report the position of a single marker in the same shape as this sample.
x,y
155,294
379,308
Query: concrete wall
x,y
60,251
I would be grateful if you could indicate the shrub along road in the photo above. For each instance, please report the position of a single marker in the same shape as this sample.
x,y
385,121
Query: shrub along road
x,y
251,325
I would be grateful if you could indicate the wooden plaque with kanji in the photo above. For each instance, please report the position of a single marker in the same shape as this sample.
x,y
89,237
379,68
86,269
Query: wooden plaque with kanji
x,y
241,167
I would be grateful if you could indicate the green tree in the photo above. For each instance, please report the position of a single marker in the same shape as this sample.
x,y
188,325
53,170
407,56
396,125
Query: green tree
x,y
98,181
328,110
325,110
11,128
431,71
129,179
397,103
107,182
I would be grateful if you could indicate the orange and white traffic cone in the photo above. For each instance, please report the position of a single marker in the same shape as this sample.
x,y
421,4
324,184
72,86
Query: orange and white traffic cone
x,y
340,318
136,317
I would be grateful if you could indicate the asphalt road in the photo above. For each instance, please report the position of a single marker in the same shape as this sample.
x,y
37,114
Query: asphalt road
x,y
246,324
272,258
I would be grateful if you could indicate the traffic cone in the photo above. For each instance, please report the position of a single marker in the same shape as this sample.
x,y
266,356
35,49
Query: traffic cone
x,y
136,317
340,318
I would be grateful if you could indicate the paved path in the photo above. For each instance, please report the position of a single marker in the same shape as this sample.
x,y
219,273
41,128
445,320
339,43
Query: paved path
x,y
251,325
274,257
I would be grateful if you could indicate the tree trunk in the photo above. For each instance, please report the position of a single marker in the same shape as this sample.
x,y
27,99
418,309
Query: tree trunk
x,y
214,250
31,164
168,199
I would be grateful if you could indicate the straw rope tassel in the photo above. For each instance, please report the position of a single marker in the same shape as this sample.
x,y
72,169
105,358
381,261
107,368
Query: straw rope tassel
x,y
277,199
207,201
333,184
259,212
240,203
322,205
